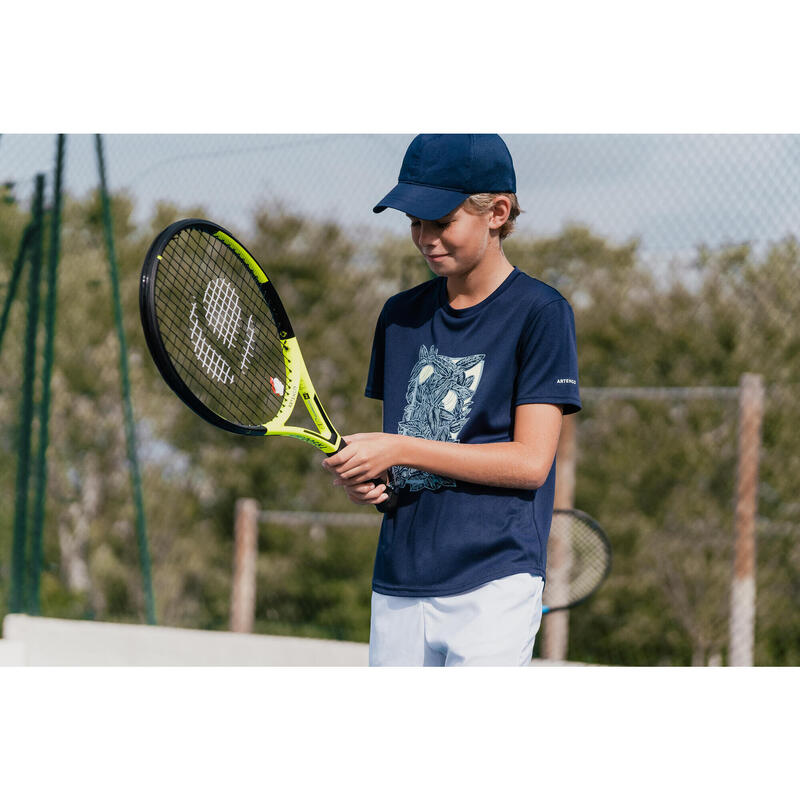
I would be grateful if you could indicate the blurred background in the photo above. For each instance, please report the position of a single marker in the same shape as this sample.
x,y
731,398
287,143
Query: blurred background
x,y
678,253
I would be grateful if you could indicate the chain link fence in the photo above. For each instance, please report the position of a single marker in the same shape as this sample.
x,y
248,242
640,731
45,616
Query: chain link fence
x,y
678,254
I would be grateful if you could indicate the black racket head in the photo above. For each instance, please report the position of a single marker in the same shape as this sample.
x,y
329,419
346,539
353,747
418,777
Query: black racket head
x,y
578,560
214,324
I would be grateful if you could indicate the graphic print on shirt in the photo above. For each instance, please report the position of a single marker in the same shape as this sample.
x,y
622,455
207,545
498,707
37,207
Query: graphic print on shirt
x,y
438,402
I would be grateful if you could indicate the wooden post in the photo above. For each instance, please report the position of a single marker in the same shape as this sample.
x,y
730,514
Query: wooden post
x,y
243,595
743,586
555,627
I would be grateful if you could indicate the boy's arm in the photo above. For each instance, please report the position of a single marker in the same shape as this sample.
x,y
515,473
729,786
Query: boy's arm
x,y
523,463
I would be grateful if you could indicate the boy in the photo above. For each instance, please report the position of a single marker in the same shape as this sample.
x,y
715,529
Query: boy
x,y
475,369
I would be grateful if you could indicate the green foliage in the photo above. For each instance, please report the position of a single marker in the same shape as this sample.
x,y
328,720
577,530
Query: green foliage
x,y
658,473
318,586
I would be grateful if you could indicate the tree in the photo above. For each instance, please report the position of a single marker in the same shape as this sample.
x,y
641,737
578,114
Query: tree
x,y
657,471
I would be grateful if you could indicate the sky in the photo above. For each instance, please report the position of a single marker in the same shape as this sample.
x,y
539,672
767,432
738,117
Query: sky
x,y
672,191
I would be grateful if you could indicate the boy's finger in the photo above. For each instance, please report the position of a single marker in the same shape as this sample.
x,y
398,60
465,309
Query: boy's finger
x,y
357,474
337,459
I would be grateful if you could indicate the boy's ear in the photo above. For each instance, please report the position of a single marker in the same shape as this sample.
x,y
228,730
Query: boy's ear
x,y
500,211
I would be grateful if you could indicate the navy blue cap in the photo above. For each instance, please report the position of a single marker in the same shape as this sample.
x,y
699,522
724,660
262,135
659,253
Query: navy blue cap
x,y
441,170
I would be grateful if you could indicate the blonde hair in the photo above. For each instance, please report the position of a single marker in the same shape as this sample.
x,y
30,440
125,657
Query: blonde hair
x,y
483,203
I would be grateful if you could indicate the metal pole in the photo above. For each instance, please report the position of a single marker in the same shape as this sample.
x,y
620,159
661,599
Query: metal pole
x,y
743,586
37,538
243,594
130,431
555,633
16,273
18,564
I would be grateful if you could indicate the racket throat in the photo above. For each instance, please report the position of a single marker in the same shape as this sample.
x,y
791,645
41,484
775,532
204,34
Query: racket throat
x,y
326,437
329,447
320,417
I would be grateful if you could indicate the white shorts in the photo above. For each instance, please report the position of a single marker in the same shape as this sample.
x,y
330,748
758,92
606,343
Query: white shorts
x,y
493,625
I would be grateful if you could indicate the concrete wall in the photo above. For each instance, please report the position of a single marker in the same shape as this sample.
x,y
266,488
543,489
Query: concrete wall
x,y
40,641
44,642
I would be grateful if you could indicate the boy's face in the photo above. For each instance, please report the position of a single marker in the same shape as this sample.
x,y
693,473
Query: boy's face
x,y
453,245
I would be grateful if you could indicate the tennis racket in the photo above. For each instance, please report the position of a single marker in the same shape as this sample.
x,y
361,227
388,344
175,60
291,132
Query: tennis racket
x,y
222,340
578,560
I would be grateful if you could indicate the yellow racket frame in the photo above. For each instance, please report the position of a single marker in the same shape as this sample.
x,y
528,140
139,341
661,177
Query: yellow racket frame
x,y
327,438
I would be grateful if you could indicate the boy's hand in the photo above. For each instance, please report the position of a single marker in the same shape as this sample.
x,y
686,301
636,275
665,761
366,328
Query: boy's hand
x,y
366,456
364,494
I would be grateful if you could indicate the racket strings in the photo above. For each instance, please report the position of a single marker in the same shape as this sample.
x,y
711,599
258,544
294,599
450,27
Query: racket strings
x,y
223,311
577,561
217,254
217,330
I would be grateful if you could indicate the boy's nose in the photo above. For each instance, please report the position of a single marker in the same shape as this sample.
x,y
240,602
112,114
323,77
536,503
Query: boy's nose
x,y
427,233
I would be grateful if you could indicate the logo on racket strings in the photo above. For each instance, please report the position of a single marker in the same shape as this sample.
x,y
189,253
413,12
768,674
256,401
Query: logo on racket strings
x,y
221,315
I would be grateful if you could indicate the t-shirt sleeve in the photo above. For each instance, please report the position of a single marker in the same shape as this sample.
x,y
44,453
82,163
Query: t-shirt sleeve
x,y
376,363
548,359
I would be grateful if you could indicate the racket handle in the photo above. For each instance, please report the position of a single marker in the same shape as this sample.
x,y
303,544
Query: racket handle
x,y
388,505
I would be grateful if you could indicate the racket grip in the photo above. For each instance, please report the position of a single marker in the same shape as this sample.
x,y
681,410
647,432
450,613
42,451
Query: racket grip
x,y
388,505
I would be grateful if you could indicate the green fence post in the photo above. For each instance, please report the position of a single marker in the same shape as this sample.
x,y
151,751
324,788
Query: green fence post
x,y
130,431
37,536
16,272
26,410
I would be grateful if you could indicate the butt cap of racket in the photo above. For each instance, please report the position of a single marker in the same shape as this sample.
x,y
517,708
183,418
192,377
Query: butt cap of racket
x,y
389,505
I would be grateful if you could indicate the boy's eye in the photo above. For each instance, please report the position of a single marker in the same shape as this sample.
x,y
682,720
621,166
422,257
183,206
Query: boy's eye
x,y
415,223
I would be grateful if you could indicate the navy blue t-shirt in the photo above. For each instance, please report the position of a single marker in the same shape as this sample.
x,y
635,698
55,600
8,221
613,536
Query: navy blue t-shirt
x,y
457,375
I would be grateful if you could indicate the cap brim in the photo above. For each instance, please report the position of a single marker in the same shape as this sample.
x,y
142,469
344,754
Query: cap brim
x,y
422,202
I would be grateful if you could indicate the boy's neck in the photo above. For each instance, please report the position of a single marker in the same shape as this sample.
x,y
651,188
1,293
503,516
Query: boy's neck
x,y
464,291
